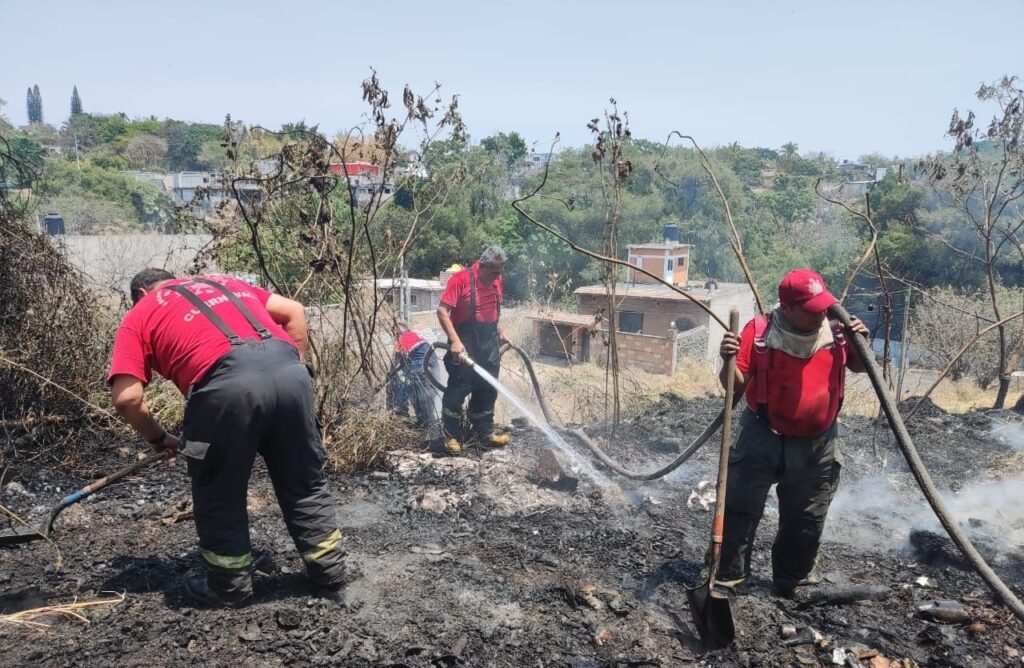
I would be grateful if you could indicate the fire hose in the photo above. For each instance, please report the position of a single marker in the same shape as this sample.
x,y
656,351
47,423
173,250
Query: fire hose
x,y
921,475
899,429
579,434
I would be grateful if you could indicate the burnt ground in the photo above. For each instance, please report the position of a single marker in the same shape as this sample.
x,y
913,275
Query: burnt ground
x,y
482,561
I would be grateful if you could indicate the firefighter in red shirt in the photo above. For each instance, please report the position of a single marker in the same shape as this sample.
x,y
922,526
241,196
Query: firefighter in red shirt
x,y
235,352
792,364
469,313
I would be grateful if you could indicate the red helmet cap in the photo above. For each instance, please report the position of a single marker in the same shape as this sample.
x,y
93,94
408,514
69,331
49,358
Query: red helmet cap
x,y
806,289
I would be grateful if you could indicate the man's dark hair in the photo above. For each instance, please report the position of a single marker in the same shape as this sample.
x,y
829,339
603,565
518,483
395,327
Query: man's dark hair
x,y
146,279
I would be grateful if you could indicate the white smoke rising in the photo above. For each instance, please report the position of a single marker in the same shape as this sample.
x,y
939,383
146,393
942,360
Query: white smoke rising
x,y
872,513
1009,433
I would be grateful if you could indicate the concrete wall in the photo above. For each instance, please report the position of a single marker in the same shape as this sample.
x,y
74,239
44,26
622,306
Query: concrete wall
x,y
653,354
660,315
692,344
733,294
111,260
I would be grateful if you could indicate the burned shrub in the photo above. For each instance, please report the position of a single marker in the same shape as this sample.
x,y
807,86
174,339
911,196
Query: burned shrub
x,y
55,338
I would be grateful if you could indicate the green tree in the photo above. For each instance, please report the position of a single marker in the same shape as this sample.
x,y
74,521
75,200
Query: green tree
x,y
510,147
34,105
185,142
5,123
983,182
76,102
38,101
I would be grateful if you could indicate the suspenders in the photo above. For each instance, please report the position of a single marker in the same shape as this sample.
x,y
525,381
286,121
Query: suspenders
x,y
472,298
216,319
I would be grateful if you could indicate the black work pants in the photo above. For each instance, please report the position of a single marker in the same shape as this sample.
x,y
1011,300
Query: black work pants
x,y
465,382
258,399
806,471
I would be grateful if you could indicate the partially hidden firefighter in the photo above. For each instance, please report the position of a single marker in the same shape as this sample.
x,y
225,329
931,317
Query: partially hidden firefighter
x,y
469,314
792,365
409,384
236,352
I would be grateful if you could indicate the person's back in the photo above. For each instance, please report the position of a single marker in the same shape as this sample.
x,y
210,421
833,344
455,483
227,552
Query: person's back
x,y
166,333
410,383
235,351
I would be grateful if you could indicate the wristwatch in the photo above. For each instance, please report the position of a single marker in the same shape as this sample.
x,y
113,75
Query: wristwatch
x,y
159,439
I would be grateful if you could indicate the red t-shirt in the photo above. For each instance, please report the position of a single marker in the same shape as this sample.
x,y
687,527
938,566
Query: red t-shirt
x,y
165,333
488,297
408,340
803,394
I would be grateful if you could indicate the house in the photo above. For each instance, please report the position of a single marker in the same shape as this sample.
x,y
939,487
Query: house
x,y
857,179
421,294
184,187
656,326
366,180
669,260
536,162
565,335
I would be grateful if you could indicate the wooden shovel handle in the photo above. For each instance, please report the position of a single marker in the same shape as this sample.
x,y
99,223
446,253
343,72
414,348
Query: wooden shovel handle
x,y
718,524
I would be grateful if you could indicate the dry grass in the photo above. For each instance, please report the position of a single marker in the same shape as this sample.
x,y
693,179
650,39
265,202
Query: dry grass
x,y
165,402
30,618
1008,464
958,396
576,393
360,439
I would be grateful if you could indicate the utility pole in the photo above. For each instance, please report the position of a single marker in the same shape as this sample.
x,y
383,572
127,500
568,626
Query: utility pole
x,y
904,343
403,302
78,159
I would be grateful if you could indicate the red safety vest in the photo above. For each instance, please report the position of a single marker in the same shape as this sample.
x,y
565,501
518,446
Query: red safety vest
x,y
787,390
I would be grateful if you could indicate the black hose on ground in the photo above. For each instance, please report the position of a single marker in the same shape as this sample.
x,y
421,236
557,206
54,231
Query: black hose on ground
x,y
921,474
690,450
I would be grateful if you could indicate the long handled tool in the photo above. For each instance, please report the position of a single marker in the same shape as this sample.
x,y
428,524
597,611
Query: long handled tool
x,y
709,607
28,534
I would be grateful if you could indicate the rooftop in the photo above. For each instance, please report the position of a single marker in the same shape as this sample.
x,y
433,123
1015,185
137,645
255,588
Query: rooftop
x,y
413,283
564,318
659,291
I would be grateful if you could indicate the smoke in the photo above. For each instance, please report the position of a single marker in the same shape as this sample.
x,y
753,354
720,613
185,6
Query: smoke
x,y
1010,433
873,514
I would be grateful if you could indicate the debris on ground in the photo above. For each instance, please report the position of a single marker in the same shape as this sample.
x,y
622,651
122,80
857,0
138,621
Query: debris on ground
x,y
467,561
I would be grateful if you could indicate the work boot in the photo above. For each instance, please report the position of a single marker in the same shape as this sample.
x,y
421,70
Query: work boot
x,y
731,583
335,591
493,440
453,447
788,589
813,578
198,589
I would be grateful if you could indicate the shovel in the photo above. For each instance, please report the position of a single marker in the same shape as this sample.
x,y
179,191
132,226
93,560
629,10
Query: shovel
x,y
709,606
28,534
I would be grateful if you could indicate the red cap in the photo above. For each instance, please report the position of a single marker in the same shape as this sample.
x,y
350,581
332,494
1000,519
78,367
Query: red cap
x,y
806,289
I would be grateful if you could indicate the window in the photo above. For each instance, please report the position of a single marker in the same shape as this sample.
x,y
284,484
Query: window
x,y
631,322
638,261
669,264
412,299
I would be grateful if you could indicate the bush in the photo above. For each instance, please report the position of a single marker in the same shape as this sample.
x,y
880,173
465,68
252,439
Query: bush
x,y
947,319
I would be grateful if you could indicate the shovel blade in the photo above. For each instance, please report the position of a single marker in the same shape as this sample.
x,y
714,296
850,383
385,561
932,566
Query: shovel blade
x,y
712,616
19,535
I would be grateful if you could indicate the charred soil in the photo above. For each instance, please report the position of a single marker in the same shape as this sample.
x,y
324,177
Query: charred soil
x,y
493,560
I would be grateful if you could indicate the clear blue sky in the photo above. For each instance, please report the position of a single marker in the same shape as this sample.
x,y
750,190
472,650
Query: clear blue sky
x,y
843,77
